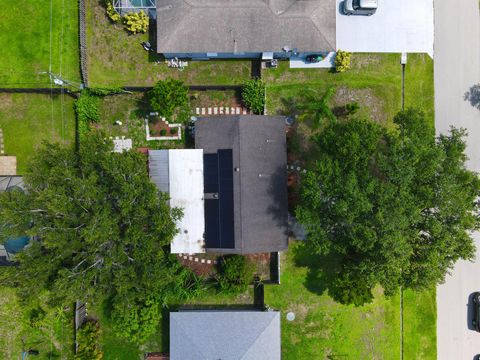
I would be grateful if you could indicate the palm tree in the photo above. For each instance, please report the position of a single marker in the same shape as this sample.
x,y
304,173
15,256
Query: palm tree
x,y
318,109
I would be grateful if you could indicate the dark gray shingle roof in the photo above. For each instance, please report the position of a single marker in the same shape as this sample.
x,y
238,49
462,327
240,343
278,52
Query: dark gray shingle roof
x,y
225,335
260,186
200,26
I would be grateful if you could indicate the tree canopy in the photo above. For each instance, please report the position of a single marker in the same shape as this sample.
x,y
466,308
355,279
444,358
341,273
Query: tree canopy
x,y
102,231
393,207
167,96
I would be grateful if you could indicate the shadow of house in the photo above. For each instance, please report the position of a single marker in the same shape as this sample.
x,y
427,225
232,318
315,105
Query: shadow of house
x,y
473,96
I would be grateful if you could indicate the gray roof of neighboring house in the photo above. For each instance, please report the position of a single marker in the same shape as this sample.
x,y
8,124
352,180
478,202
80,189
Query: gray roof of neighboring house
x,y
259,152
10,182
237,26
226,335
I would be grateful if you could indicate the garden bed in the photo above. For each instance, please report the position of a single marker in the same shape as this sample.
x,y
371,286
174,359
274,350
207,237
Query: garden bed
x,y
206,264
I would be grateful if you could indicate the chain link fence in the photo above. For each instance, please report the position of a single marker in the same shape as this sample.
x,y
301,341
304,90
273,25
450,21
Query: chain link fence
x,y
83,41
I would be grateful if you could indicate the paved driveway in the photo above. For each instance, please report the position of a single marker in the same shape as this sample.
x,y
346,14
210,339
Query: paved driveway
x,y
457,69
397,26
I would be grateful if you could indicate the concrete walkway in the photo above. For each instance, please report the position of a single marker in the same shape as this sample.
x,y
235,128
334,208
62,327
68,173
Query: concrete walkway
x,y
457,41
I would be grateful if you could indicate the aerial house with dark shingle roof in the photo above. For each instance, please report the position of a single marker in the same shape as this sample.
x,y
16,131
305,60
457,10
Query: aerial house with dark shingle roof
x,y
245,180
209,29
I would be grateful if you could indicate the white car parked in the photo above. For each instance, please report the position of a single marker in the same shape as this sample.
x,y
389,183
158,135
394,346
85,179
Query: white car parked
x,y
360,7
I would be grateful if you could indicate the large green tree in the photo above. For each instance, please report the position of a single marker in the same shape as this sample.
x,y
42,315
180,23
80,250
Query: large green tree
x,y
392,207
102,231
168,96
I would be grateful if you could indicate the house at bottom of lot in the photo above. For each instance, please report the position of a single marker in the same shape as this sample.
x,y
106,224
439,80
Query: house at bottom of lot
x,y
232,188
267,29
226,335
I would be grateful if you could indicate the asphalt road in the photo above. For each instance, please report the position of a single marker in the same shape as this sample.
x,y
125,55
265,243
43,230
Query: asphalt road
x,y
457,69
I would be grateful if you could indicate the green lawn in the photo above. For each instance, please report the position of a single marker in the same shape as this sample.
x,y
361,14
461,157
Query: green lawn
x,y
117,58
374,81
29,119
28,48
324,329
51,335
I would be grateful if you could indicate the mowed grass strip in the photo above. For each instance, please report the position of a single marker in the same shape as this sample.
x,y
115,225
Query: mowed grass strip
x,y
116,58
324,329
29,119
27,47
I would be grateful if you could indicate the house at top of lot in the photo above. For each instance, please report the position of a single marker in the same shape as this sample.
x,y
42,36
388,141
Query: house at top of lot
x,y
206,29
206,335
245,178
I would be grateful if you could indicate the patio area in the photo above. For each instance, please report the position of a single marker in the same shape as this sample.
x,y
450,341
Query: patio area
x,y
8,165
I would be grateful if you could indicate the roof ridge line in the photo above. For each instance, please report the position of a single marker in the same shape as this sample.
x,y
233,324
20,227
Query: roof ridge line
x,y
259,335
321,33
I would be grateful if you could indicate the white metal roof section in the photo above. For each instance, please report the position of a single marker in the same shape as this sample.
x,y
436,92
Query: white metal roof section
x,y
396,27
185,187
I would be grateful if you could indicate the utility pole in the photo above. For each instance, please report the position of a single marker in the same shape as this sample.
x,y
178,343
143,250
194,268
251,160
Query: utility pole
x,y
58,80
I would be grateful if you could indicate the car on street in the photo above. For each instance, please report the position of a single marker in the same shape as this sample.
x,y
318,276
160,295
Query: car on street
x,y
476,311
313,58
360,7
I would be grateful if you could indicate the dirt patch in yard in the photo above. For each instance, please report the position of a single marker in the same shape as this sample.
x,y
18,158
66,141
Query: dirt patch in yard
x,y
6,102
360,61
370,105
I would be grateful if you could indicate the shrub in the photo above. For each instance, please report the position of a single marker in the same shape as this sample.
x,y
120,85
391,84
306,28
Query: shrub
x,y
342,61
104,91
235,273
253,95
36,316
87,107
168,95
112,13
174,131
352,108
163,132
88,342
136,317
136,22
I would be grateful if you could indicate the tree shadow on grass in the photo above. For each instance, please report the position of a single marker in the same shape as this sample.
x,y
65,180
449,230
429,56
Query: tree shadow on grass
x,y
322,270
473,96
143,107
289,106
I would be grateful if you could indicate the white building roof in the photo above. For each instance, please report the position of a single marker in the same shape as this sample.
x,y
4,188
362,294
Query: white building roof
x,y
179,172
